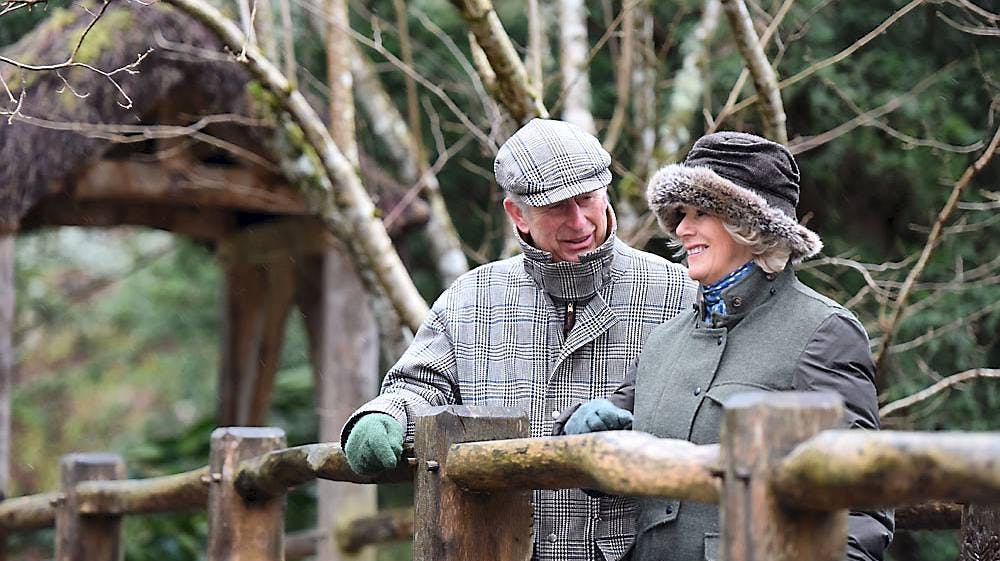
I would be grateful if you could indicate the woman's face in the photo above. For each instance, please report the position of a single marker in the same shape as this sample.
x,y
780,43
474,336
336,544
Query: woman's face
x,y
711,252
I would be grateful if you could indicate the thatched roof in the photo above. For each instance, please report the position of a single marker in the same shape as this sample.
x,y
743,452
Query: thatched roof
x,y
187,76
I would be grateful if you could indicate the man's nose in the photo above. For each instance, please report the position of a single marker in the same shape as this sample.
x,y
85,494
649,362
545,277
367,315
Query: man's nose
x,y
576,218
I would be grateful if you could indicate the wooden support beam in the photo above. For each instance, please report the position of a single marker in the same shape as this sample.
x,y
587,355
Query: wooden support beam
x,y
619,462
758,429
850,468
82,537
450,523
6,354
239,530
197,184
198,223
258,298
980,533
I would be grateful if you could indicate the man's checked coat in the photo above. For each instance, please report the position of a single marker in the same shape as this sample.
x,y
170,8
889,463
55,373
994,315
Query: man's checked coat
x,y
496,338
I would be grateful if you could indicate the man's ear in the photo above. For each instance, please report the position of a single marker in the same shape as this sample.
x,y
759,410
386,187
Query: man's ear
x,y
516,215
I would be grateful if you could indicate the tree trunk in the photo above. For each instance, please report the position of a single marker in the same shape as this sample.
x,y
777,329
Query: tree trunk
x,y
343,340
573,53
689,84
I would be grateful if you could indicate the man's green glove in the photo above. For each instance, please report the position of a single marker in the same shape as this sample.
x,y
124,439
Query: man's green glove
x,y
374,444
598,415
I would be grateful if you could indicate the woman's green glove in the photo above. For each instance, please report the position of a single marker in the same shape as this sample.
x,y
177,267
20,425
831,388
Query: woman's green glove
x,y
374,444
598,415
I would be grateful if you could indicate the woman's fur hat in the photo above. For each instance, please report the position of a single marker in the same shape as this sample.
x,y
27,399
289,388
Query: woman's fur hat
x,y
741,177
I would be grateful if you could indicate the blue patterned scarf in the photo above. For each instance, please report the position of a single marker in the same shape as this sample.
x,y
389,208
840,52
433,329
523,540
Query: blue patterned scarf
x,y
712,293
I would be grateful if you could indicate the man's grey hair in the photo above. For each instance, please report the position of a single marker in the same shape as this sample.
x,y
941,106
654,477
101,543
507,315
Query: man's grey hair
x,y
770,253
519,201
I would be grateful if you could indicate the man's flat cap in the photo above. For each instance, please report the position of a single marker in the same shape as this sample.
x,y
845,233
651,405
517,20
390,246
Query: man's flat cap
x,y
547,161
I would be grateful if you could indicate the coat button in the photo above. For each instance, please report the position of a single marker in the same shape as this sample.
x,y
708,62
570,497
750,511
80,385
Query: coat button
x,y
773,290
552,538
555,415
669,509
697,391
737,302
721,339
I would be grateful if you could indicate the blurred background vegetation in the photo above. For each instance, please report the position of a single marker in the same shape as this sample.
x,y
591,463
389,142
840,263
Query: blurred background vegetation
x,y
117,331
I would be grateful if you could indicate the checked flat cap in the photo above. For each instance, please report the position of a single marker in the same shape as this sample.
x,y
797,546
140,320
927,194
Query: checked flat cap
x,y
547,161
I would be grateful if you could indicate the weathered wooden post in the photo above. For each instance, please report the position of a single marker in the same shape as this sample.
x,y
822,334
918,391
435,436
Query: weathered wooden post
x,y
82,537
758,429
238,530
454,525
980,533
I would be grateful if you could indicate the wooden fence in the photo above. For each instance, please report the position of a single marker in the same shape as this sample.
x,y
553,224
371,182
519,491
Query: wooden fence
x,y
783,475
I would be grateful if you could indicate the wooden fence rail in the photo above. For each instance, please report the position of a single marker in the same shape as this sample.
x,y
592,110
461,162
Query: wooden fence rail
x,y
782,474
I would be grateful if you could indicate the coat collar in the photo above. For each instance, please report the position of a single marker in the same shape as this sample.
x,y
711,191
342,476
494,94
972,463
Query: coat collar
x,y
743,297
575,281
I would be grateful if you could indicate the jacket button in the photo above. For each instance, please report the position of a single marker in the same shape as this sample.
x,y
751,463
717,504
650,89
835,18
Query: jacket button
x,y
737,302
721,339
669,509
773,290
697,391
552,538
555,415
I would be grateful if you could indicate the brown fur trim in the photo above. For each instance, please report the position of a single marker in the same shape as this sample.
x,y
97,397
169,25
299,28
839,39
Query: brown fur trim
x,y
676,185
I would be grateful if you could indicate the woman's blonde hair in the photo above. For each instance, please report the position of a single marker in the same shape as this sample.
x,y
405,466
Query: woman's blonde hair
x,y
770,253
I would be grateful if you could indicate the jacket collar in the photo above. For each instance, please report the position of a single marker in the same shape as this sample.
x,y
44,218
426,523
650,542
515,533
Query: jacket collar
x,y
575,281
743,297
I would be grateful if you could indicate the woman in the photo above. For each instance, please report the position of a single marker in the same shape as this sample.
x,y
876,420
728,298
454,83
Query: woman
x,y
731,208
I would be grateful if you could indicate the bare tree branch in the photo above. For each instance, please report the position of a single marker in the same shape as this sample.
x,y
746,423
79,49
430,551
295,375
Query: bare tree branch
x,y
771,108
837,57
891,323
390,126
864,118
623,78
734,92
922,395
366,234
973,30
514,90
937,331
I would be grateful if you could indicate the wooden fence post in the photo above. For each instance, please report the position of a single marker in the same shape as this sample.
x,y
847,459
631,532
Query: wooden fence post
x,y
980,533
451,524
238,530
760,428
87,537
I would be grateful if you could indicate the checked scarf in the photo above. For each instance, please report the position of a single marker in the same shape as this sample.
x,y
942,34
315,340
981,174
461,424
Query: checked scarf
x,y
712,294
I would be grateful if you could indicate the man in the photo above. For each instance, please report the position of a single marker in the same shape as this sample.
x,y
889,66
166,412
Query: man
x,y
539,332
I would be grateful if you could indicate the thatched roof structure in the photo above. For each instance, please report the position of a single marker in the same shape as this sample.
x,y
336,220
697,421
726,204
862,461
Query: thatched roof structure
x,y
60,164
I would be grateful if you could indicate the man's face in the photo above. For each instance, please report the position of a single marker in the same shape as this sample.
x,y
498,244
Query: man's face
x,y
565,229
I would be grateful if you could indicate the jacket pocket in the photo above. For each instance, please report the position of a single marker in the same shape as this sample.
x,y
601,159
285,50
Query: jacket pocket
x,y
654,512
721,392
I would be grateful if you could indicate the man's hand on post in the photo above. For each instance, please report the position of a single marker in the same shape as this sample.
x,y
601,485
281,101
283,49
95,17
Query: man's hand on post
x,y
374,444
598,415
